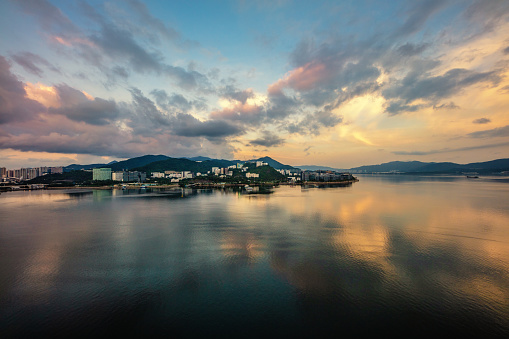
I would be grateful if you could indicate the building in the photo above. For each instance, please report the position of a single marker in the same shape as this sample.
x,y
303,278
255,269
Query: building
x,y
118,176
252,175
101,174
3,172
56,170
136,176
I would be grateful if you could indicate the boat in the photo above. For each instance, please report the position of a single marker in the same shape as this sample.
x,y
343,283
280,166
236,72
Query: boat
x,y
472,177
143,187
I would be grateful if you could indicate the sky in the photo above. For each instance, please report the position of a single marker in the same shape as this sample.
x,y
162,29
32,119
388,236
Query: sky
x,y
332,83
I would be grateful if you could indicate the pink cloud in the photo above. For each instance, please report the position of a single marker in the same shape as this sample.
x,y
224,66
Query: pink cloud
x,y
302,78
240,112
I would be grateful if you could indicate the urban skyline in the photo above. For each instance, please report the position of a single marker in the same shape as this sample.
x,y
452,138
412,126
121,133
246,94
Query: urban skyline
x,y
339,84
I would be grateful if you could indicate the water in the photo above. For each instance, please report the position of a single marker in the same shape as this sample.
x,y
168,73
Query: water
x,y
396,255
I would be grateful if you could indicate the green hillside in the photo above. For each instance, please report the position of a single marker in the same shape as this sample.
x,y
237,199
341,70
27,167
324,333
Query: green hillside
x,y
182,164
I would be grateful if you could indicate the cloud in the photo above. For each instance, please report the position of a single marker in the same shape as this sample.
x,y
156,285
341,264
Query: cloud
x,y
450,105
189,126
410,49
481,121
14,103
418,14
498,132
243,113
416,86
96,126
29,63
49,17
232,93
315,122
120,43
76,106
269,139
396,107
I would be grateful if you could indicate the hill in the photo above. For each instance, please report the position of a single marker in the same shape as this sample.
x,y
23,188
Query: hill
x,y
321,168
273,163
267,173
183,164
70,177
492,166
128,164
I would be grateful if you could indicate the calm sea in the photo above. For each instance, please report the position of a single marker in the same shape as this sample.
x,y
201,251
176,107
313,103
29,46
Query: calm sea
x,y
397,255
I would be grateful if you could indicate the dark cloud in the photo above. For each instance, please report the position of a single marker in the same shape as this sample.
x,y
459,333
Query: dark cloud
x,y
104,127
481,121
188,80
506,50
112,42
145,118
269,139
176,102
120,71
410,49
152,23
76,106
14,104
485,16
120,43
433,88
230,92
152,27
418,14
450,105
189,126
314,123
396,107
50,17
498,132
29,63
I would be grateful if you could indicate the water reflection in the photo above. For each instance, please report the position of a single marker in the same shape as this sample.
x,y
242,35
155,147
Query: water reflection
x,y
380,255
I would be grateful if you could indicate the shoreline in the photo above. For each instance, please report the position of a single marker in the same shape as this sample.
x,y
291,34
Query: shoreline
x,y
197,186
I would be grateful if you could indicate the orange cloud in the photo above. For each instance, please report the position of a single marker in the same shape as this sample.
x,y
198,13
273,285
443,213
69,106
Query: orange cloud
x,y
301,79
46,95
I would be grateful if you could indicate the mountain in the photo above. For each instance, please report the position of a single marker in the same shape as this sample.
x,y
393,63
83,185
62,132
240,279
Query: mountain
x,y
132,163
198,158
321,168
183,164
128,164
492,166
76,167
273,163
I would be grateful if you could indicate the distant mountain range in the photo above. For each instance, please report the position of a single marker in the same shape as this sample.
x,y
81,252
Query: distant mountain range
x,y
435,167
156,163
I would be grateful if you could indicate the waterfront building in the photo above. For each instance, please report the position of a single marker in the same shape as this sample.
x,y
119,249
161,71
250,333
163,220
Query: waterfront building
x,y
118,176
101,174
157,175
3,172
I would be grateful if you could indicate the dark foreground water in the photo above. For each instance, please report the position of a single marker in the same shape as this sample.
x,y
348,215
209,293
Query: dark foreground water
x,y
391,255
